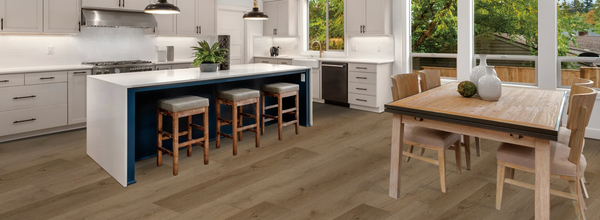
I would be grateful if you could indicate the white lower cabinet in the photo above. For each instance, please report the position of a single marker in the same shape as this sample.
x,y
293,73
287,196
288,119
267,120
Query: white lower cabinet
x,y
25,120
315,77
34,96
77,96
369,86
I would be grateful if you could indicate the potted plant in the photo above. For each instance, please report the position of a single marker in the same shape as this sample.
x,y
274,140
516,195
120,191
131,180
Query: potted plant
x,y
207,57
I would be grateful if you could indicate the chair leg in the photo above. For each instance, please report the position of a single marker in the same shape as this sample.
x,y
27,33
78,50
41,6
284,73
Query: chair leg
x,y
410,150
241,121
189,147
262,118
218,132
584,189
160,128
234,127
175,144
584,193
206,135
442,167
297,113
280,115
457,155
467,140
257,122
575,188
478,146
499,185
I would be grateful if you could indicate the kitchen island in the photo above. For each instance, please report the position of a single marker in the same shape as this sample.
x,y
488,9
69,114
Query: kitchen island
x,y
121,108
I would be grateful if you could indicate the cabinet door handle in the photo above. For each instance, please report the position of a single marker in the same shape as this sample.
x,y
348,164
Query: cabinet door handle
x,y
361,100
361,89
21,121
154,30
43,78
283,62
200,29
82,72
123,3
119,3
361,77
361,68
4,81
25,97
79,25
196,29
1,23
265,61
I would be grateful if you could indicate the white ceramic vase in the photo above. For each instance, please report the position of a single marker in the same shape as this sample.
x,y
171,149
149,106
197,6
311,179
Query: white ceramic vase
x,y
489,86
479,71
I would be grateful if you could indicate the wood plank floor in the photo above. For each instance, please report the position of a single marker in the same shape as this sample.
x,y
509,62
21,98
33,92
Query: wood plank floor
x,y
337,169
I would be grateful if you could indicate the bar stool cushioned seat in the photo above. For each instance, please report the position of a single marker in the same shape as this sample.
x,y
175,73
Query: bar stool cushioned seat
x,y
183,103
430,137
238,94
280,87
525,157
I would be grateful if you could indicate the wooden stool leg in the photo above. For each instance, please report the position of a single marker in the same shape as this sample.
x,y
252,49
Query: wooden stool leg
x,y
280,115
262,118
241,121
175,144
234,127
257,122
189,147
218,134
297,113
206,135
160,128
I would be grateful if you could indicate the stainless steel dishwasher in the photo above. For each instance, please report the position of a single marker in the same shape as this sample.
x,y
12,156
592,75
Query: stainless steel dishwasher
x,y
335,83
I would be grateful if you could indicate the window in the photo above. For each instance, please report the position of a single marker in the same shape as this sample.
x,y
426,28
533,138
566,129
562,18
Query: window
x,y
434,36
326,24
578,41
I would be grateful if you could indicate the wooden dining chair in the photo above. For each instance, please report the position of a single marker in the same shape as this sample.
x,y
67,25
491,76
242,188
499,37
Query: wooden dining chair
x,y
405,85
567,162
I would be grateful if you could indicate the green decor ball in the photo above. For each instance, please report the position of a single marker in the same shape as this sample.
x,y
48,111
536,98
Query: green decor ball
x,y
467,89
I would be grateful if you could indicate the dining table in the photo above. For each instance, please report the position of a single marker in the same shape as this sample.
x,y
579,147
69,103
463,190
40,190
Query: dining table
x,y
524,116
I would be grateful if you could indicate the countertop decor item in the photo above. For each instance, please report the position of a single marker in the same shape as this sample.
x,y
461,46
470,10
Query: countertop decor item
x,y
467,89
479,71
207,57
255,14
162,7
224,42
490,86
170,53
162,55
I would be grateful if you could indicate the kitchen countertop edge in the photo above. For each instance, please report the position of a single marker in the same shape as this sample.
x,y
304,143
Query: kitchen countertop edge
x,y
40,69
349,60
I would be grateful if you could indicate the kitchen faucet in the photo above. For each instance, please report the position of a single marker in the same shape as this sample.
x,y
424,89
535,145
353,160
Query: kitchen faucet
x,y
320,48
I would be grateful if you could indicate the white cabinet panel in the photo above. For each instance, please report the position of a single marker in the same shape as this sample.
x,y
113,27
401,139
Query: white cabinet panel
x,y
111,4
358,77
361,67
24,97
375,16
166,24
284,61
77,96
283,18
43,78
12,80
21,16
135,5
197,17
371,17
186,20
362,100
18,121
62,16
362,88
355,16
316,83
270,9
265,60
207,16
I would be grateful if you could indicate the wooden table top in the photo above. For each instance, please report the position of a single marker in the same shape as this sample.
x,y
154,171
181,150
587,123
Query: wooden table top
x,y
526,111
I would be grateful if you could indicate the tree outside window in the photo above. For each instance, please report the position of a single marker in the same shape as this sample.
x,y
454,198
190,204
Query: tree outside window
x,y
326,24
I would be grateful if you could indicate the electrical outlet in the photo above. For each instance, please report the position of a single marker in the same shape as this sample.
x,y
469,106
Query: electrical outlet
x,y
50,49
378,47
354,48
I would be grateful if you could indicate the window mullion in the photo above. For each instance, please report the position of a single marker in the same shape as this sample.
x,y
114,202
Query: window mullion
x,y
327,25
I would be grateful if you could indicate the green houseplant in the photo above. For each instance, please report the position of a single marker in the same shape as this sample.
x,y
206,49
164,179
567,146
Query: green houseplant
x,y
207,57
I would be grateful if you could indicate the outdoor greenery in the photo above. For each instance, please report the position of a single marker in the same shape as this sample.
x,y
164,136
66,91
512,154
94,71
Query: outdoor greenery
x,y
207,54
317,28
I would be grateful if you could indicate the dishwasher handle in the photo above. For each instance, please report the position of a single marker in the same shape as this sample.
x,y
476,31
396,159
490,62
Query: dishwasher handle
x,y
331,65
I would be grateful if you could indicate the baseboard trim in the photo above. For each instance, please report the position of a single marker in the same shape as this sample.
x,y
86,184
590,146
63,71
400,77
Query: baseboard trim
x,y
41,132
592,133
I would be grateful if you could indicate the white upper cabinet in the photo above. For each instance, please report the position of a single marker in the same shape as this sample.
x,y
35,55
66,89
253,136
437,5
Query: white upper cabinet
x,y
135,5
372,17
21,16
197,17
283,18
129,5
62,16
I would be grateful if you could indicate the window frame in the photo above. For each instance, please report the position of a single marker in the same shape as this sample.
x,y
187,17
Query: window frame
x,y
326,46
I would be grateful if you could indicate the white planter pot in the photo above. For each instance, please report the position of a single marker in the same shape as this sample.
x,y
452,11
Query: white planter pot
x,y
489,86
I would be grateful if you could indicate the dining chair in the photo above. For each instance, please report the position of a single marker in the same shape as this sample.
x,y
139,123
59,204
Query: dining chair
x,y
405,85
431,79
567,162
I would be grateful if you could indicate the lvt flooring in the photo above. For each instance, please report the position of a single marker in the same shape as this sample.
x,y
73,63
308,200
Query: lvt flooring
x,y
337,169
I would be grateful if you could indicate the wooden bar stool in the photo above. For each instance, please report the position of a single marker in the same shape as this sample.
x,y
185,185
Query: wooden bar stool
x,y
185,106
280,91
237,98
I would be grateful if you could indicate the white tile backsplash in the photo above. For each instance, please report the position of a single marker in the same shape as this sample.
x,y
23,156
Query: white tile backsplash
x,y
92,44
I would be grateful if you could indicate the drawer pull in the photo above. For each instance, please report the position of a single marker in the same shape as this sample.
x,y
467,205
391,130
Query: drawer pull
x,y
52,77
25,97
361,89
283,62
361,68
5,81
361,77
17,122
82,72
362,100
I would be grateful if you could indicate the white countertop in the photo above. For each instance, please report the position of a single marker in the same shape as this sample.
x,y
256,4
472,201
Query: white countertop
x,y
167,77
346,60
37,69
181,61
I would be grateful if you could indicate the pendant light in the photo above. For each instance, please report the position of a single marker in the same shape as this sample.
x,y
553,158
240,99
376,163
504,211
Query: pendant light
x,y
255,15
162,7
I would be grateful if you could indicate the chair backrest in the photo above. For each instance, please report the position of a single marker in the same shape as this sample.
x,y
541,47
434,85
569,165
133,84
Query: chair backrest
x,y
404,85
579,82
430,79
581,110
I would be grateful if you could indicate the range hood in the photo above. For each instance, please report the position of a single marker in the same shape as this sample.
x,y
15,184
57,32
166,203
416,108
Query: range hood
x,y
106,18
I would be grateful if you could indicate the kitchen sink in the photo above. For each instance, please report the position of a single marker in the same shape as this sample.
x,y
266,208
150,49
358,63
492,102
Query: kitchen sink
x,y
312,63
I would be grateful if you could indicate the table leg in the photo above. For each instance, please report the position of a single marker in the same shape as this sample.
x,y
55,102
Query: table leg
x,y
542,179
396,157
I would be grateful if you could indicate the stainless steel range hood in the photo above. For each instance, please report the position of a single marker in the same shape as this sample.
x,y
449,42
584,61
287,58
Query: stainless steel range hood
x,y
105,18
